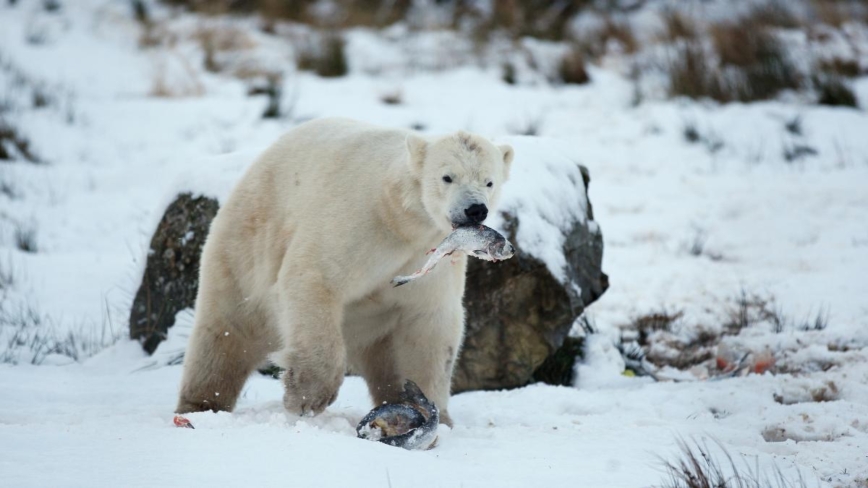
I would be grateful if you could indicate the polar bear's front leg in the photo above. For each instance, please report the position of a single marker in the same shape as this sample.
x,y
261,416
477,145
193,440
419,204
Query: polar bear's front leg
x,y
425,346
314,355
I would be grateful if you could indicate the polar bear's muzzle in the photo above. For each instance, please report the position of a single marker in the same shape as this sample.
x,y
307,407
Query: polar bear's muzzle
x,y
476,213
473,214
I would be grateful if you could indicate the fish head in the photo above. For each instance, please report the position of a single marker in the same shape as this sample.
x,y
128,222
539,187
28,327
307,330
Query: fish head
x,y
501,249
461,176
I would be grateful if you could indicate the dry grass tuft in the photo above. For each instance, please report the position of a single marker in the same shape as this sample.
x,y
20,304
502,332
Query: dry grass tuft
x,y
14,146
327,58
833,90
831,12
774,13
843,67
508,74
346,13
613,32
392,97
747,63
30,336
571,69
25,237
543,19
678,25
667,340
826,393
692,75
757,60
219,39
698,467
185,84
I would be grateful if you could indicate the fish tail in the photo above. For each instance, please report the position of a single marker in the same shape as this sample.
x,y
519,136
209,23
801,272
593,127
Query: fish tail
x,y
400,280
413,393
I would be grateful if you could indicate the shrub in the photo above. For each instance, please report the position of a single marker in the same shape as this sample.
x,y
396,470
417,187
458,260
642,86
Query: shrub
x,y
774,13
216,39
508,73
558,368
544,19
834,12
757,62
14,146
7,275
832,90
678,26
844,67
595,43
571,69
273,90
393,97
347,13
751,64
796,152
692,75
25,238
327,59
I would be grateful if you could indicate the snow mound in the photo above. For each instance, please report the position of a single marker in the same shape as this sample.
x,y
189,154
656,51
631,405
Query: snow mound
x,y
546,193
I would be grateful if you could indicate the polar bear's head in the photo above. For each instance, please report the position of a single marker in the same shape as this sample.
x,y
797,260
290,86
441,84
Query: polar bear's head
x,y
461,176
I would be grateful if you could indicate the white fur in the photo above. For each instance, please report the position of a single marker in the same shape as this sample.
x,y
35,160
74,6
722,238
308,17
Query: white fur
x,y
298,262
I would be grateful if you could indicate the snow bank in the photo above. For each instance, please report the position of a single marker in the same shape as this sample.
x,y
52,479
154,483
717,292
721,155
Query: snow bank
x,y
546,193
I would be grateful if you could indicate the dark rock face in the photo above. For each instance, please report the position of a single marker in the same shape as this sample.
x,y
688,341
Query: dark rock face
x,y
171,276
518,314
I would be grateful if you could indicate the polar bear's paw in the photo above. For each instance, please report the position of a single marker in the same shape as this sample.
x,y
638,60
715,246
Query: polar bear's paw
x,y
311,386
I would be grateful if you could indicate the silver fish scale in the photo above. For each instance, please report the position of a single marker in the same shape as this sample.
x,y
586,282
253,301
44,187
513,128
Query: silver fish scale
x,y
476,241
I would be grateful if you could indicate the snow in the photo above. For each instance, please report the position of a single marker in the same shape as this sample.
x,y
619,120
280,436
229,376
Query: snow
x,y
116,157
546,193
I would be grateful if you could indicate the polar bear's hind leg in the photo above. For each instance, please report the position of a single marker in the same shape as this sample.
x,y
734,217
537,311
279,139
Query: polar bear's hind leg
x,y
219,359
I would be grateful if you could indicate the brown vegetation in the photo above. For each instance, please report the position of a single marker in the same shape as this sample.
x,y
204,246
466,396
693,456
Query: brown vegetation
x,y
14,146
327,58
747,62
774,13
187,85
571,69
760,65
348,13
678,25
835,13
214,39
596,42
833,90
699,467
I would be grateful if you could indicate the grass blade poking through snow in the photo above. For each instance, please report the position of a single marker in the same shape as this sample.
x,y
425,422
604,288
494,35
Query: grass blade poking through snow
x,y
699,467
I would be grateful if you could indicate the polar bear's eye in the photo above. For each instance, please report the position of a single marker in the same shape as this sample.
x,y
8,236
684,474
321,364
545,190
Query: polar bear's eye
x,y
489,184
447,179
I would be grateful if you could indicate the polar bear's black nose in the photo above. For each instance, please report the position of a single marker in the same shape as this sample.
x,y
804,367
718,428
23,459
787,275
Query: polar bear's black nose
x,y
476,213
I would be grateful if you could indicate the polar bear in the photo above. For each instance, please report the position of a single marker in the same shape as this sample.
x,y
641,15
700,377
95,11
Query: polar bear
x,y
297,264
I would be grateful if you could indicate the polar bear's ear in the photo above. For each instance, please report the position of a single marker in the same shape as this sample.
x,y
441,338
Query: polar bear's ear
x,y
508,154
416,146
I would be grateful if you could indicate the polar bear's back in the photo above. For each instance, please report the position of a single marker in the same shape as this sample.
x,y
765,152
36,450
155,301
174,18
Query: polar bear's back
x,y
320,185
330,159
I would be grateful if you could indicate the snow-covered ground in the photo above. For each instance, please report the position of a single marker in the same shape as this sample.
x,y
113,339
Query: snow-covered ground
x,y
795,231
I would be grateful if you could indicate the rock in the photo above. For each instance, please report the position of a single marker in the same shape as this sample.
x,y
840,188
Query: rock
x,y
519,314
171,276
